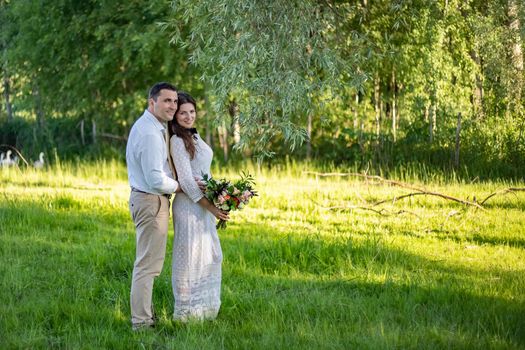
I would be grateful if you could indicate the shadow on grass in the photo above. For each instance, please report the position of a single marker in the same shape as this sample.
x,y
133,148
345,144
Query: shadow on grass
x,y
366,314
515,241
442,298
480,239
275,249
510,239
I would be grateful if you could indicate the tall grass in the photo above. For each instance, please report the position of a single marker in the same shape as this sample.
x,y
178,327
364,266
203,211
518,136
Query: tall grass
x,y
427,273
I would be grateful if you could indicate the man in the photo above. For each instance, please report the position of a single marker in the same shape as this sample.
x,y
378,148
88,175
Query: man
x,y
152,183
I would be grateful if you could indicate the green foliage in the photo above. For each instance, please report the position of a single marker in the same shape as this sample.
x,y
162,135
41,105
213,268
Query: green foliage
x,y
367,82
271,58
89,59
60,138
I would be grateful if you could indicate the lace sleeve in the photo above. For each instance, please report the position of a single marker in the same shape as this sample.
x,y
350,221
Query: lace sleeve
x,y
181,160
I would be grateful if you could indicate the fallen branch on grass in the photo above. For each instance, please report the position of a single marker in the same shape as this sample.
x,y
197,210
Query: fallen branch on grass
x,y
428,193
382,211
504,191
420,191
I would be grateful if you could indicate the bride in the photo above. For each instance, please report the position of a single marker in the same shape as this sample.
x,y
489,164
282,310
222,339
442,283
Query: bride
x,y
197,255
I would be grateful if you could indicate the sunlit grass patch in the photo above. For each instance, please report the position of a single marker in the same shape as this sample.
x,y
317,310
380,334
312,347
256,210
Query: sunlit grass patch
x,y
424,273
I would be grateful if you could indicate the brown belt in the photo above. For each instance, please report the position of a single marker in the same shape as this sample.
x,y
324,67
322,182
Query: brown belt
x,y
133,189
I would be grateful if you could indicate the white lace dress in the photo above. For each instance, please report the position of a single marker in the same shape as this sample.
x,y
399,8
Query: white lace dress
x,y
197,255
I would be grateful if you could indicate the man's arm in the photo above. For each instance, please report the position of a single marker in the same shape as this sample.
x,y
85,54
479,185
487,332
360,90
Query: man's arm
x,y
153,165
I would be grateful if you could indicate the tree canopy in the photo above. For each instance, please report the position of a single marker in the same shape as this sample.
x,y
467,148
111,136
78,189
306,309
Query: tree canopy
x,y
357,81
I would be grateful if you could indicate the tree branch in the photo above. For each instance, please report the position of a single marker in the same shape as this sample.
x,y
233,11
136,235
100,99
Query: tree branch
x,y
504,191
420,191
427,193
352,207
381,211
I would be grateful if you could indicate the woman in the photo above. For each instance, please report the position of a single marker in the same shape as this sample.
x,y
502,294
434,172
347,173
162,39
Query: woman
x,y
197,255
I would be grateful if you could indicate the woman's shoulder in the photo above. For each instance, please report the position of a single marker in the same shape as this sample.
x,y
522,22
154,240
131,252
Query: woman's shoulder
x,y
176,139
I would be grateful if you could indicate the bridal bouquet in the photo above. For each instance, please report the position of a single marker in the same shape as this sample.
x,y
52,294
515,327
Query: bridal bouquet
x,y
227,195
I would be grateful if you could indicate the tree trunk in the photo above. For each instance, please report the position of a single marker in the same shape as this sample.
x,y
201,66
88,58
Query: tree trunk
x,y
432,123
516,53
7,97
515,28
361,133
394,116
236,127
478,90
309,139
377,105
236,131
94,131
38,106
208,131
458,130
354,111
381,110
82,134
223,139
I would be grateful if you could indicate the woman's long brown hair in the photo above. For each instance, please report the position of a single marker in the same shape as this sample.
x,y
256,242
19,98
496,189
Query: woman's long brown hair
x,y
175,129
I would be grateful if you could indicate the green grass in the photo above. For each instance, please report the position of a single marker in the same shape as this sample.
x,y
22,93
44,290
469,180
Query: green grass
x,y
295,275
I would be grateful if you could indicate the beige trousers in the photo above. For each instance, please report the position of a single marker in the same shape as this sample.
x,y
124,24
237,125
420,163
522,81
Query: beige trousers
x,y
150,214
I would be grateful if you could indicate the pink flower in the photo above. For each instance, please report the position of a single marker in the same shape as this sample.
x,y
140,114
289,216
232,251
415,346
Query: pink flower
x,y
246,195
228,195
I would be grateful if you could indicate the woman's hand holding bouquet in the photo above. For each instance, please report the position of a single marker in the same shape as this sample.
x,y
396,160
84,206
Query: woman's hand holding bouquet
x,y
229,196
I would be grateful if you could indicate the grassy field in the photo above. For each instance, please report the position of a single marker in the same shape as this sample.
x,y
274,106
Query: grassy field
x,y
425,273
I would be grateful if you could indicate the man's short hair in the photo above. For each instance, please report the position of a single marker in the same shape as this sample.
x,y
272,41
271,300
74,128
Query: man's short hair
x,y
154,92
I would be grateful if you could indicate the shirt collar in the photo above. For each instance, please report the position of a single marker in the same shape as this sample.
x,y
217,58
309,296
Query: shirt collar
x,y
154,120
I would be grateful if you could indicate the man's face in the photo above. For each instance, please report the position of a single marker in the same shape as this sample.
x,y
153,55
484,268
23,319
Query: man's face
x,y
165,106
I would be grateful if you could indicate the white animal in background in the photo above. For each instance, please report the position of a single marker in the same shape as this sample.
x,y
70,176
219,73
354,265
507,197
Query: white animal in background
x,y
2,157
39,164
6,162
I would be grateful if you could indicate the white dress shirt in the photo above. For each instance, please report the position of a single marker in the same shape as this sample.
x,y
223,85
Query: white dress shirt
x,y
147,157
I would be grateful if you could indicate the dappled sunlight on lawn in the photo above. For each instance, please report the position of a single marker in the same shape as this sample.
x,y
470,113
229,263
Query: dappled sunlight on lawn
x,y
292,269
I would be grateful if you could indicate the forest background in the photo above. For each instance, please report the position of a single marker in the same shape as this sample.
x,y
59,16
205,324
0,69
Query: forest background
x,y
372,84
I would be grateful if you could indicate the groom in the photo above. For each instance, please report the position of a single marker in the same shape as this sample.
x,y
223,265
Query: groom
x,y
152,183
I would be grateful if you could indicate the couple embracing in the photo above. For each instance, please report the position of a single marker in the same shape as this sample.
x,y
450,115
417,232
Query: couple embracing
x,y
165,156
